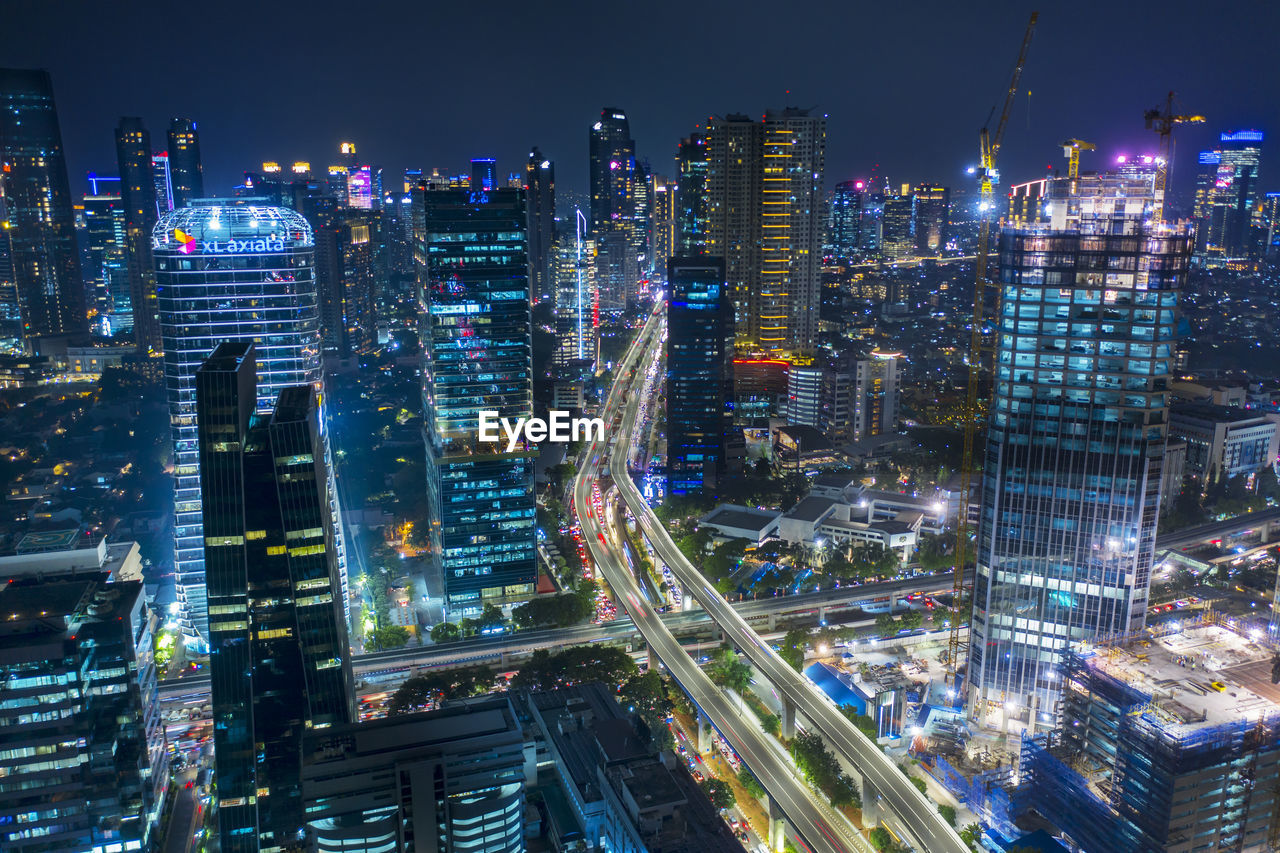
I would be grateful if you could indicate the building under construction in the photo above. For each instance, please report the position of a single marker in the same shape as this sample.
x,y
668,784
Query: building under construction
x,y
1171,745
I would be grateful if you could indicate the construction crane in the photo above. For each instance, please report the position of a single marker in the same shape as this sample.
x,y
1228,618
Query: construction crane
x,y
1162,120
1071,150
988,150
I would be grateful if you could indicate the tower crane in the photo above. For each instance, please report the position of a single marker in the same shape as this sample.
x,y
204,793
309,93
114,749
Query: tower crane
x,y
988,150
1162,120
1071,150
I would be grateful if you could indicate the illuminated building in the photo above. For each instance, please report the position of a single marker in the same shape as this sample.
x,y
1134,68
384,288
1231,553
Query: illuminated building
x,y
764,212
643,187
484,173
931,216
138,191
163,182
662,222
360,193
691,196
577,305
540,191
41,264
699,374
475,327
185,171
279,661
803,403
1226,195
613,207
1076,440
871,224
876,393
106,262
85,766
897,239
845,219
230,271
346,244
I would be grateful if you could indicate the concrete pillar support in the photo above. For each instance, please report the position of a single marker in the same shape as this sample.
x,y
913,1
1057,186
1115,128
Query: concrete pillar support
x,y
777,828
788,718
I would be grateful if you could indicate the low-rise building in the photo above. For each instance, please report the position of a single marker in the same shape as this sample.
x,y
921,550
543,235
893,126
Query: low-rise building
x,y
71,552
1224,441
731,521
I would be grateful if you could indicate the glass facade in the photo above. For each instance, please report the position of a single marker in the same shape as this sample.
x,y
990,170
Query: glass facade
x,y
185,172
233,272
476,333
275,596
1075,449
42,267
699,373
106,260
138,191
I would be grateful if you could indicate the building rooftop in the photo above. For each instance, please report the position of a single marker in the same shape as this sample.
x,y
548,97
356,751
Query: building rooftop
x,y
745,518
1215,413
811,509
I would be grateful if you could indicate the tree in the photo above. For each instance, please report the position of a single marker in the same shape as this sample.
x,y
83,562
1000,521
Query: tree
x,y
948,813
771,724
792,647
718,792
920,785
912,619
428,689
730,671
574,665
881,839
886,624
445,632
388,637
970,835
750,784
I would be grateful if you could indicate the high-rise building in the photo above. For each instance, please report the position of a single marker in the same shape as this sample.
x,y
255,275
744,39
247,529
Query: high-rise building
x,y
85,766
733,173
930,217
279,661
802,405
540,192
764,212
845,219
876,392
613,207
484,173
228,272
691,215
662,223
360,190
699,374
784,312
346,243
871,224
577,305
897,240
41,258
1226,195
106,264
475,328
1071,481
163,181
185,171
138,191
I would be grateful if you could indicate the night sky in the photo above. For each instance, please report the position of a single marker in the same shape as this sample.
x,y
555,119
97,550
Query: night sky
x,y
906,85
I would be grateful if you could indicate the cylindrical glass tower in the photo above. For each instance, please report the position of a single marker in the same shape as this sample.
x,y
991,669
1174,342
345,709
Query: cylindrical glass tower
x,y
232,271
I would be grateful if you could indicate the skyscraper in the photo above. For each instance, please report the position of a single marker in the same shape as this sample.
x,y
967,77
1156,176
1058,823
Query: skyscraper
x,y
764,212
163,181
662,223
1071,482
475,328
577,304
228,272
346,244
898,241
484,173
540,190
279,659
138,191
699,374
691,215
845,217
41,246
613,207
1226,195
106,274
185,171
931,216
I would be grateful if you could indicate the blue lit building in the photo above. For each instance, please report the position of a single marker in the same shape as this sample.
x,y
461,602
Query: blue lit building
x,y
1076,440
476,334
845,219
699,373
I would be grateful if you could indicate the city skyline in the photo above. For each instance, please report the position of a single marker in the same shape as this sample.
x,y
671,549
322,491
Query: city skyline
x,y
923,131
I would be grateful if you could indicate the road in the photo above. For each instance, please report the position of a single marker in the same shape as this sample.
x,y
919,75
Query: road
x,y
815,822
916,817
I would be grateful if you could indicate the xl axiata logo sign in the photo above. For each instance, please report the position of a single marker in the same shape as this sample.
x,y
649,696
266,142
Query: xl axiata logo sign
x,y
558,427
254,245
